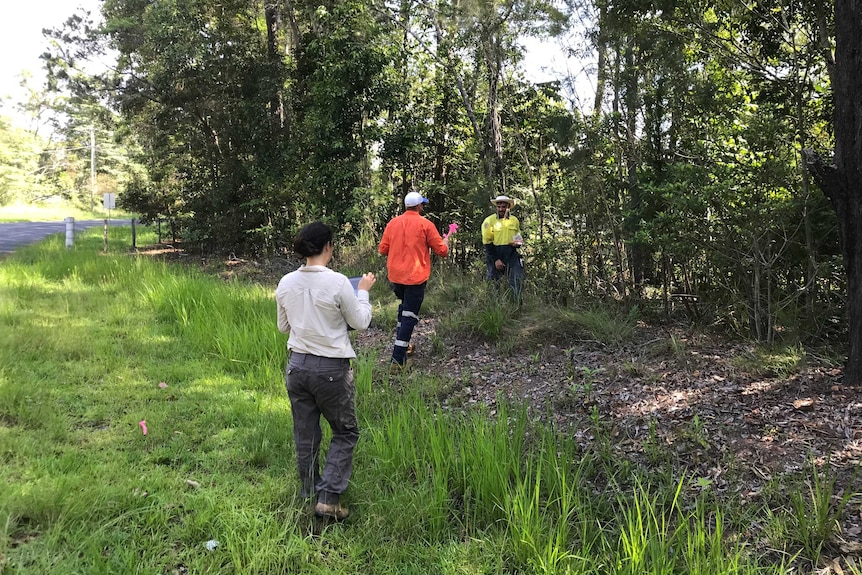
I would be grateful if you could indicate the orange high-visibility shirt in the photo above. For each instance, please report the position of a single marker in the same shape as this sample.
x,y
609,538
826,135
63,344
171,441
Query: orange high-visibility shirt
x,y
407,241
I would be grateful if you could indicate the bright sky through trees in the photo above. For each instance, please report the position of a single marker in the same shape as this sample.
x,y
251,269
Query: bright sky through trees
x,y
21,42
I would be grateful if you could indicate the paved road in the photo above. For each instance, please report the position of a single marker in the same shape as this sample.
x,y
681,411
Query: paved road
x,y
17,234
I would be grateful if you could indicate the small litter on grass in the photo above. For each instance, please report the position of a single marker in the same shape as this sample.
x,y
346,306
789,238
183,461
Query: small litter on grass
x,y
163,385
211,544
193,483
143,424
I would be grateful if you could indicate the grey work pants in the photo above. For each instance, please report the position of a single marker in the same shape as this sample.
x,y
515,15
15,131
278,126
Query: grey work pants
x,y
322,386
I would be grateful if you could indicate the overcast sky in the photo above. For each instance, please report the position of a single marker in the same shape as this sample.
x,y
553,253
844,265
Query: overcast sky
x,y
21,43
21,40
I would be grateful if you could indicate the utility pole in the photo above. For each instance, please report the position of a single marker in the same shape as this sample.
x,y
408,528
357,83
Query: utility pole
x,y
92,168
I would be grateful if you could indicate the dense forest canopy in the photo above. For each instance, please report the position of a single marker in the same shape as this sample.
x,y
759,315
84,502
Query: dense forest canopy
x,y
241,120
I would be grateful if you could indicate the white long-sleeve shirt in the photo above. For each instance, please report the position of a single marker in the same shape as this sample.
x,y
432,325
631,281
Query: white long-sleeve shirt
x,y
316,305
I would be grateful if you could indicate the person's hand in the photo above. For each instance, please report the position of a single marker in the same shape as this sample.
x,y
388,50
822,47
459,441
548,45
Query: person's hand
x,y
446,241
499,265
366,282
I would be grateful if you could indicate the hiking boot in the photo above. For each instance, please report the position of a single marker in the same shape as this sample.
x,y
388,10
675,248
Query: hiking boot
x,y
334,512
396,368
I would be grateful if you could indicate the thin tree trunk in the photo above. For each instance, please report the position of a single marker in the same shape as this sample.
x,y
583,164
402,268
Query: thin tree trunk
x,y
601,66
293,37
494,148
465,99
276,102
632,100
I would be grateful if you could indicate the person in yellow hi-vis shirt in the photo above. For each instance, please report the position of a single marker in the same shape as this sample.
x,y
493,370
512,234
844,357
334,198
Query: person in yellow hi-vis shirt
x,y
501,234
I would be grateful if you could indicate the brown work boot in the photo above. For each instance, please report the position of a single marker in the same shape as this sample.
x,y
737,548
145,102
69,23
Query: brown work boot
x,y
411,349
396,368
335,512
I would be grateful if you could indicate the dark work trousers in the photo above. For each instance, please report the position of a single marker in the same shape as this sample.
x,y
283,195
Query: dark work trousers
x,y
408,316
514,270
322,386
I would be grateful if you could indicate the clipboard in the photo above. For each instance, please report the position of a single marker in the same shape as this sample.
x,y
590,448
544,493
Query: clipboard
x,y
355,283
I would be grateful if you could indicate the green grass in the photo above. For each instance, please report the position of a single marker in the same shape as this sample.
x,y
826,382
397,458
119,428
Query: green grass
x,y
85,340
774,361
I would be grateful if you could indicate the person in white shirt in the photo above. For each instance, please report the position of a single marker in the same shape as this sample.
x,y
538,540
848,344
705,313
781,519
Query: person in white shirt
x,y
318,306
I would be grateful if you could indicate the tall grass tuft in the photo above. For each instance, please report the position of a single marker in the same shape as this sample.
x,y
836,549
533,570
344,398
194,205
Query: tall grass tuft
x,y
487,320
661,534
229,322
551,512
363,372
815,513
607,326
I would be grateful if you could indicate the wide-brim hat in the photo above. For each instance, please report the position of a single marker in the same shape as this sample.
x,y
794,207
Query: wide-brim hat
x,y
501,198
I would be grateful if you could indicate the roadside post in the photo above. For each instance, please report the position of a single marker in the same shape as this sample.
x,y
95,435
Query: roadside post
x,y
109,201
70,232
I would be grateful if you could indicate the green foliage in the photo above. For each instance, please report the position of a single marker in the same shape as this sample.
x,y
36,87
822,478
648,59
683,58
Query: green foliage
x,y
82,358
242,121
605,324
772,361
815,512
479,311
19,161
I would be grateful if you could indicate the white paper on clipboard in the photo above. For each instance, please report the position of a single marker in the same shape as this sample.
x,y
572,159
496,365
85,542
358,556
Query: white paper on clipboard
x,y
355,283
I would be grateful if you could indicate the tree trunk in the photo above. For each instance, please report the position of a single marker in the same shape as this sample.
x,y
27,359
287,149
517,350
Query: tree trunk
x,y
494,147
601,66
293,36
842,181
465,97
276,102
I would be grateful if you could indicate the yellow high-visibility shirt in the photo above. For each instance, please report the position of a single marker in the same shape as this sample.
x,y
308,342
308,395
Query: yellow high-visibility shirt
x,y
500,232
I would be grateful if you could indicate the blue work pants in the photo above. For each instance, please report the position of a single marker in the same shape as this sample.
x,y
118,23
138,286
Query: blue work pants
x,y
411,297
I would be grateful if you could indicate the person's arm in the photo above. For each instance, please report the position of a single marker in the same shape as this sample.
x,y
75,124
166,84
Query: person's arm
x,y
488,241
283,323
438,245
491,252
383,248
356,308
487,232
517,228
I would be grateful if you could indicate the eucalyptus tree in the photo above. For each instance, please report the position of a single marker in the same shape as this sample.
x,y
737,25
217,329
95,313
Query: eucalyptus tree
x,y
69,113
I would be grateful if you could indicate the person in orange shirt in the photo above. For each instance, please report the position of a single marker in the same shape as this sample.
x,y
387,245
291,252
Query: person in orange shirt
x,y
407,242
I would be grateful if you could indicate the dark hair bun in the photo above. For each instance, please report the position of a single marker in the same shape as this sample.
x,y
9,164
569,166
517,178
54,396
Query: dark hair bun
x,y
311,239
